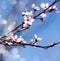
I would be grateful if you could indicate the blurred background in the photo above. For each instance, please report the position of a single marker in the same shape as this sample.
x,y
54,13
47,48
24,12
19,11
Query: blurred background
x,y
11,16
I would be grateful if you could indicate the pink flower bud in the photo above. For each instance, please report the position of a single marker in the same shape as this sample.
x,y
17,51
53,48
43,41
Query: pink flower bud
x,y
32,42
52,9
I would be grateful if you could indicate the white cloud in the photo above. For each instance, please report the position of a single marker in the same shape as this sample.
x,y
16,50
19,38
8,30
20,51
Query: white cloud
x,y
12,55
3,51
22,59
36,58
22,5
0,16
4,5
3,21
9,27
13,2
15,55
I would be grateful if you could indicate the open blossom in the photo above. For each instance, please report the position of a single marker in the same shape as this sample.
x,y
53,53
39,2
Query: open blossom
x,y
21,40
44,5
14,37
37,38
42,16
52,9
35,7
28,20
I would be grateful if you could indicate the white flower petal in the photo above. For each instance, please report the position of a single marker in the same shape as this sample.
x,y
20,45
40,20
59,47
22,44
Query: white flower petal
x,y
39,39
18,40
9,43
47,5
42,5
37,8
54,7
35,35
33,6
43,15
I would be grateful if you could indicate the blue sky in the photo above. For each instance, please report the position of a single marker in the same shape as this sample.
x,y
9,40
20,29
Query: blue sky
x,y
49,31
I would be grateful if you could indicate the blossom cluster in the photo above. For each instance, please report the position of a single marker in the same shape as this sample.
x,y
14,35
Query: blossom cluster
x,y
28,16
45,6
14,40
28,19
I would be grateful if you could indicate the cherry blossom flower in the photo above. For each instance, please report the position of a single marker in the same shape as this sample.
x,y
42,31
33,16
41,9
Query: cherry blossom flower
x,y
52,9
43,16
20,39
14,37
28,20
37,38
35,7
44,5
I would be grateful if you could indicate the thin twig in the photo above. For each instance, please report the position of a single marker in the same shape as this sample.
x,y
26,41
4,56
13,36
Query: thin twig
x,y
26,44
47,8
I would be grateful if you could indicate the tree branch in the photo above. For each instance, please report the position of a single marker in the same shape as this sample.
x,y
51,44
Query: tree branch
x,y
26,44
